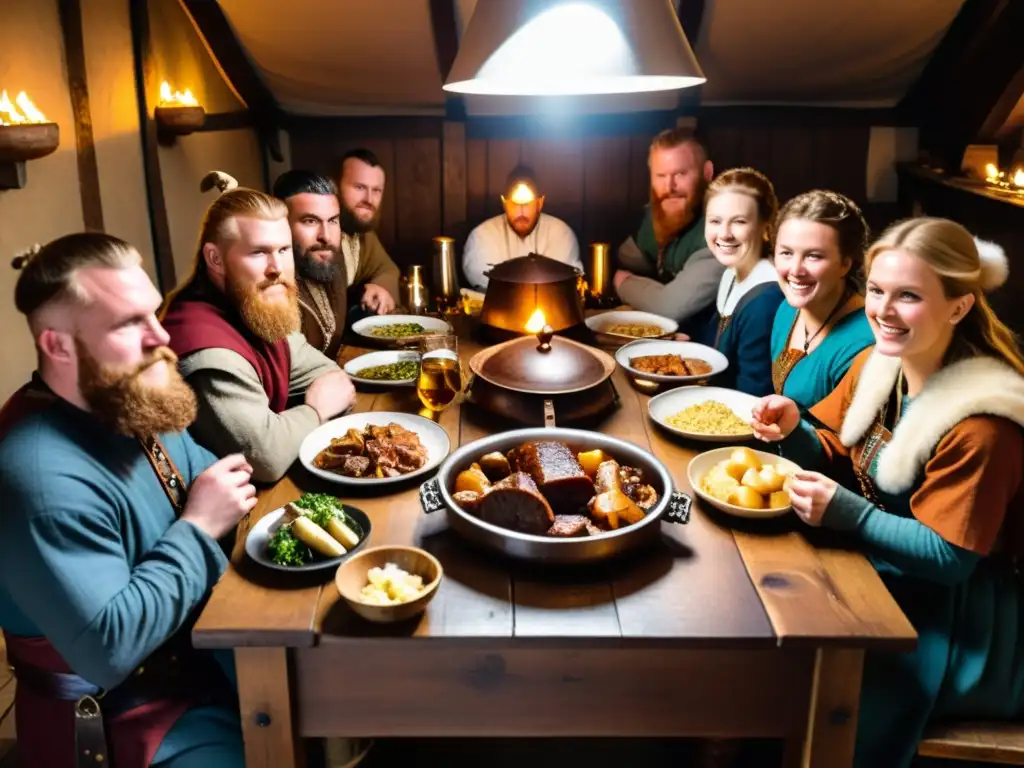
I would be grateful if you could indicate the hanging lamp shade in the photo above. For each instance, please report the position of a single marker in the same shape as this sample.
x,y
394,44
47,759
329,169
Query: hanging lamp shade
x,y
570,47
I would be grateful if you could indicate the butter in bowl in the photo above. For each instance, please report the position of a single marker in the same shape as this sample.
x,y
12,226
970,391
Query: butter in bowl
x,y
389,583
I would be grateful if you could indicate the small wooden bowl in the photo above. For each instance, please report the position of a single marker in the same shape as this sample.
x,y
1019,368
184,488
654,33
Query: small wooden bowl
x,y
351,578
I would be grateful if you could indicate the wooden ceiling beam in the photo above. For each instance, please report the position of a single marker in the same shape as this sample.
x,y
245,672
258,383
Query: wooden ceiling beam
x,y
445,25
691,15
225,47
972,81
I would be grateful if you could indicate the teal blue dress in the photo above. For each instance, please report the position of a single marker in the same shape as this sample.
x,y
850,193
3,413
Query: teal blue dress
x,y
814,376
967,608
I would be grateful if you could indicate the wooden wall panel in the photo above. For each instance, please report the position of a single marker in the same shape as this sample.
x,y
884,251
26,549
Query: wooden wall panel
x,y
595,178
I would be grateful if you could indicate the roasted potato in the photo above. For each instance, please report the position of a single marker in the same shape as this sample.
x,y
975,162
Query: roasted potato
x,y
615,508
591,460
495,466
765,480
778,499
746,497
472,479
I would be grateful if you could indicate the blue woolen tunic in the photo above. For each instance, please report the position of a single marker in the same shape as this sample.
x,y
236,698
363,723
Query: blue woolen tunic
x,y
91,554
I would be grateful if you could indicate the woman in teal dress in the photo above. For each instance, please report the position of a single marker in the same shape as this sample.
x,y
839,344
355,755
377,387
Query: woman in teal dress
x,y
739,207
930,422
820,328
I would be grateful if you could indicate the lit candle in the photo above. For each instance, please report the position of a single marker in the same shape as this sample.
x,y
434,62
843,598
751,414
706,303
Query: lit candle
x,y
1018,178
536,322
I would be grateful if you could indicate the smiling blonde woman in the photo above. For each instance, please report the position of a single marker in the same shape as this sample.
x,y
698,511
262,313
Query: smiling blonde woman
x,y
929,420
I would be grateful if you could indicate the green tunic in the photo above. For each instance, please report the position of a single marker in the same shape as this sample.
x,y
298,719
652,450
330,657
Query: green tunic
x,y
676,253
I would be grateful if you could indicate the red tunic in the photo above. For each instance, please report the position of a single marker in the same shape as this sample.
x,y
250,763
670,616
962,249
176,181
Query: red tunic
x,y
195,323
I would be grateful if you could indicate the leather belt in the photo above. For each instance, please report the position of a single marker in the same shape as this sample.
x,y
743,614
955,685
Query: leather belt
x,y
162,675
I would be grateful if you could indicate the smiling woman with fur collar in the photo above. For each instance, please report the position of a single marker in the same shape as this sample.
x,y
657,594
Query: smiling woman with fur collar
x,y
929,420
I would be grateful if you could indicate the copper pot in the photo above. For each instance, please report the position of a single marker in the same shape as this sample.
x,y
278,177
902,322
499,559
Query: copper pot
x,y
543,378
517,288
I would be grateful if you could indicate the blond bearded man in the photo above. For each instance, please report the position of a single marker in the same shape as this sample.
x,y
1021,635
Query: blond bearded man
x,y
666,267
235,323
111,525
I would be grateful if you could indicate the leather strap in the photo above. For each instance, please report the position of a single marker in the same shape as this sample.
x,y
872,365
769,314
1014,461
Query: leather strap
x,y
90,737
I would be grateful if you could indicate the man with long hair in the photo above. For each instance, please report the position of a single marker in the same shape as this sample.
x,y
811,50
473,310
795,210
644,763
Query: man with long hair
x,y
340,275
666,267
234,325
111,526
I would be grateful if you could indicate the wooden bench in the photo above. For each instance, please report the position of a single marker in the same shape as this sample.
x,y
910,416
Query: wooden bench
x,y
999,743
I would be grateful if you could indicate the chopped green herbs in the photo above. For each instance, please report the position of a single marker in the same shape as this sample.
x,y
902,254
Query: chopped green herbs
x,y
403,370
397,330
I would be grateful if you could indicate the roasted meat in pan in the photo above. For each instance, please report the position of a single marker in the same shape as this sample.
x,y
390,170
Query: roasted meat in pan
x,y
517,504
557,473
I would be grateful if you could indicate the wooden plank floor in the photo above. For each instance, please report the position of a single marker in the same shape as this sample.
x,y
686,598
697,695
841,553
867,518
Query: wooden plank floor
x,y
6,699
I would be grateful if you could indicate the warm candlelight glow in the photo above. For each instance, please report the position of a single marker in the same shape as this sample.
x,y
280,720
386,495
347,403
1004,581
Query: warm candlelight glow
x,y
522,194
24,112
177,98
991,171
1018,178
536,322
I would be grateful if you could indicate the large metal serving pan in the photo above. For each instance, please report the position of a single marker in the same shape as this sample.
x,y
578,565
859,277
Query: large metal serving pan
x,y
436,494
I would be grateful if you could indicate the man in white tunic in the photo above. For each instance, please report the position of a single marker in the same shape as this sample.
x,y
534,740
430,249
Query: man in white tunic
x,y
520,231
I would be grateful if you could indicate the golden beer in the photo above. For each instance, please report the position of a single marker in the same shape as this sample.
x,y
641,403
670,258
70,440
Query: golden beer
x,y
440,381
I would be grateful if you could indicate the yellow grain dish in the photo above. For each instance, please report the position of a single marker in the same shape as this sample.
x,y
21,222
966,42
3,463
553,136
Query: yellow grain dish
x,y
710,417
743,480
391,585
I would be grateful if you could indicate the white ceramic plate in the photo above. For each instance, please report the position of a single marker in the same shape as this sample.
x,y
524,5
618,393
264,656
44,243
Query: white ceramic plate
x,y
701,464
432,435
602,322
371,359
661,407
710,355
365,327
259,536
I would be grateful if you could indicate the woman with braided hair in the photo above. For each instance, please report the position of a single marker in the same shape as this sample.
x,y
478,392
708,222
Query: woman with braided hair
x,y
820,238
930,421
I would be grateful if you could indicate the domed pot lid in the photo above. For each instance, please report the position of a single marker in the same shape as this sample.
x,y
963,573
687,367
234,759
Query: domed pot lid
x,y
532,269
531,365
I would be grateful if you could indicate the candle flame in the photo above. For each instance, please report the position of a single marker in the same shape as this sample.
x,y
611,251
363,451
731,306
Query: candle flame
x,y
991,171
20,112
536,322
1018,178
176,98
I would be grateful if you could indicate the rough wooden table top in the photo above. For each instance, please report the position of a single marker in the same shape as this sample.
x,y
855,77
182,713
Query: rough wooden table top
x,y
715,582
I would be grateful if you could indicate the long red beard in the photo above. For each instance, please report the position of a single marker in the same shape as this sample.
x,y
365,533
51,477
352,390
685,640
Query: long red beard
x,y
119,398
667,225
270,319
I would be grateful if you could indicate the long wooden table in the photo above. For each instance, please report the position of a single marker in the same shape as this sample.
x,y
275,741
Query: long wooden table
x,y
719,630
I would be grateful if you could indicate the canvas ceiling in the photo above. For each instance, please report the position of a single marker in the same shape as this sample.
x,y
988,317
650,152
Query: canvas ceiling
x,y
376,57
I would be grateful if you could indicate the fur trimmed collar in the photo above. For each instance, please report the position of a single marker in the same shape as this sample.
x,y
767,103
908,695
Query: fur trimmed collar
x,y
982,385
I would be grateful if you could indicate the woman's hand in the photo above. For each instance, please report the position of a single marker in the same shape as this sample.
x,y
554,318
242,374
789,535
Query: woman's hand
x,y
775,417
811,493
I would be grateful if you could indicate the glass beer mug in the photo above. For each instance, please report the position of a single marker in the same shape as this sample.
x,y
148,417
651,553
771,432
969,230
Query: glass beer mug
x,y
441,379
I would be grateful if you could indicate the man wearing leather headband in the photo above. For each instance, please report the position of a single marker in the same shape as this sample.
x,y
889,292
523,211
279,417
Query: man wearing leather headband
x,y
110,527
520,231
341,275
234,324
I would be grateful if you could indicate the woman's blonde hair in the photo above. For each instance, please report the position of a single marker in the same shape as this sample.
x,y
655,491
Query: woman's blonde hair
x,y
220,224
964,268
841,214
750,182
